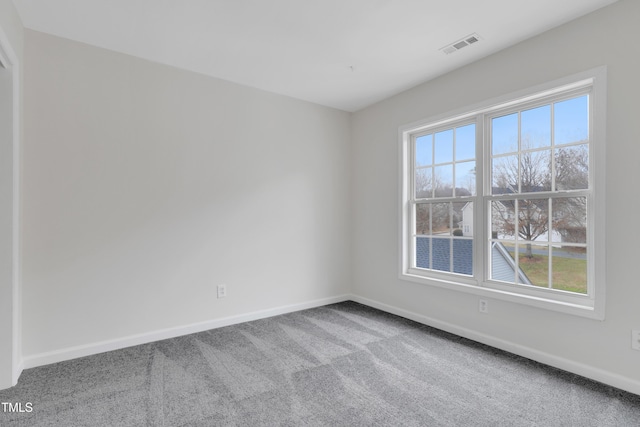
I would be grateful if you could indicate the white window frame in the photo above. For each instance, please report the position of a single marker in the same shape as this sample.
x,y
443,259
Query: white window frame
x,y
590,305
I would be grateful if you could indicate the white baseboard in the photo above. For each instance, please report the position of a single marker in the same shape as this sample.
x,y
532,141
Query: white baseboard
x,y
587,371
116,344
591,372
17,371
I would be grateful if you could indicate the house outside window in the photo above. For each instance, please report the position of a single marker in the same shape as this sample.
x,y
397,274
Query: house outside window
x,y
506,199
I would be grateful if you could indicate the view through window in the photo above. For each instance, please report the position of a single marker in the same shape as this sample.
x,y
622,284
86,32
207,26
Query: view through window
x,y
503,197
539,189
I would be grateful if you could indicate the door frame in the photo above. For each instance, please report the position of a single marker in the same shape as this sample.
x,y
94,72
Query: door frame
x,y
9,60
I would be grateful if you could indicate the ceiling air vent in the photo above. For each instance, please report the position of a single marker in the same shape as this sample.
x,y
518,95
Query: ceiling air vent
x,y
456,46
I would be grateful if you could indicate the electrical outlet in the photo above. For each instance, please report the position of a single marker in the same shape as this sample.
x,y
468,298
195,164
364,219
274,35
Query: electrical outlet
x,y
222,291
635,340
483,306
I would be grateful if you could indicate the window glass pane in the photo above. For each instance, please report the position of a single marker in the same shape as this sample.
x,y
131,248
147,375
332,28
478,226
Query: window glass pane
x,y
571,120
505,172
462,216
533,265
444,146
423,183
569,220
502,262
423,252
467,219
463,256
423,219
466,142
443,181
503,219
441,219
441,254
535,171
536,127
466,179
504,134
424,153
572,168
569,266
533,220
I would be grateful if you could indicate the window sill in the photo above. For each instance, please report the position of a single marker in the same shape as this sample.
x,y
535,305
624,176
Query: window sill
x,y
582,306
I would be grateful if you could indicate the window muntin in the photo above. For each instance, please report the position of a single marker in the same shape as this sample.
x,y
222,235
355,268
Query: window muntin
x,y
535,151
565,146
444,163
444,188
524,154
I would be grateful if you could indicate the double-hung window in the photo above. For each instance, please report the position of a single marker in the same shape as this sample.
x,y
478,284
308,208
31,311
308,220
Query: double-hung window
x,y
507,199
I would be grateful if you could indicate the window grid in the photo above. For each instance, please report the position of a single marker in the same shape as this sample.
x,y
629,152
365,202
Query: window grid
x,y
565,189
430,235
519,196
432,198
547,153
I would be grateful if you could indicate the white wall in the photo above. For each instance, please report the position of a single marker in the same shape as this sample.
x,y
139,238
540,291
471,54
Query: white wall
x,y
600,349
11,50
145,186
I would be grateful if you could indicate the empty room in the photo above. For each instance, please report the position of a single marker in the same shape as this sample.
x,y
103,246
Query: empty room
x,y
319,213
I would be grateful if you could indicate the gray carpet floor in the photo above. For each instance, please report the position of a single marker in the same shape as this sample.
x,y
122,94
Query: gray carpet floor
x,y
339,365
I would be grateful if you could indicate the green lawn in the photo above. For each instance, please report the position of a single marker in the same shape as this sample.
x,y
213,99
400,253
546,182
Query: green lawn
x,y
569,274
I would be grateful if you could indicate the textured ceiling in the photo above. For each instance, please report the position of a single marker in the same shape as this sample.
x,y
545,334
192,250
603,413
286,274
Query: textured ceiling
x,y
346,54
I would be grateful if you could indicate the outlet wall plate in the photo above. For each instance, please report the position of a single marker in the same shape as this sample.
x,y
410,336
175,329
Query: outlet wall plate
x,y
222,291
635,340
483,306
